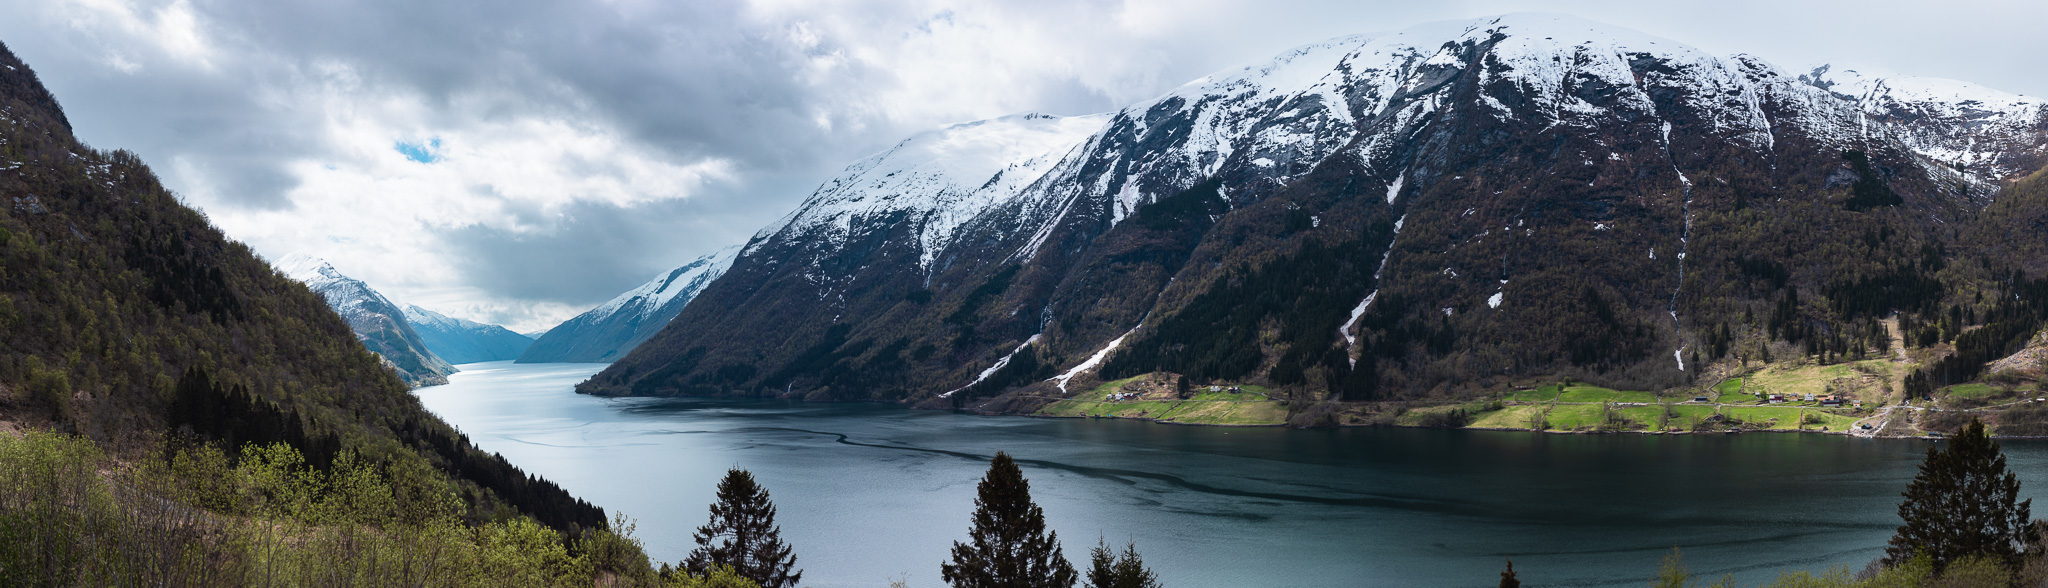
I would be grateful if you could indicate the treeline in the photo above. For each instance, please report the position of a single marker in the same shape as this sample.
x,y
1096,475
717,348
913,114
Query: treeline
x,y
2006,329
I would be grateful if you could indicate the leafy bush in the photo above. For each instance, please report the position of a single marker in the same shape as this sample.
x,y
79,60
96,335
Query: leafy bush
x,y
191,516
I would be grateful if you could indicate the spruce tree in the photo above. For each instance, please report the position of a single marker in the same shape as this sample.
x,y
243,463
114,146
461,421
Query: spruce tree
x,y
1107,569
1507,577
1009,546
742,535
1963,503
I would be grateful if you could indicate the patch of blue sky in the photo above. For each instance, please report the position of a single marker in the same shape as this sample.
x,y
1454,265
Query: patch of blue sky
x,y
427,152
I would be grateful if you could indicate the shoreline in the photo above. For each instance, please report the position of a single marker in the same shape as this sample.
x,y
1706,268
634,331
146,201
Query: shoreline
x,y
916,406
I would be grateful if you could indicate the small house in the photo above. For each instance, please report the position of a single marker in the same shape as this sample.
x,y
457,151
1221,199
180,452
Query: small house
x,y
1777,399
1699,399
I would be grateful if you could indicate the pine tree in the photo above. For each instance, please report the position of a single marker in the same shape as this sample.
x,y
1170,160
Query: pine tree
x,y
1507,577
1963,503
1009,546
742,534
1110,570
1671,572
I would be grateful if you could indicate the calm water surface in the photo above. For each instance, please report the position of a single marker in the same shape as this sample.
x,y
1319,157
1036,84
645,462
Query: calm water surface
x,y
871,493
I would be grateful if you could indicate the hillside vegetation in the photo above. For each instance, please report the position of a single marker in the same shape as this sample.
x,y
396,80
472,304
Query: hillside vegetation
x,y
127,319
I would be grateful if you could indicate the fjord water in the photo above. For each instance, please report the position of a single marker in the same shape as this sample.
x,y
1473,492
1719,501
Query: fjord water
x,y
869,493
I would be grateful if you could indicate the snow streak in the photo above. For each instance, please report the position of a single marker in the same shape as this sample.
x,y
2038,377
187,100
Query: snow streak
x,y
1000,364
1094,360
1351,340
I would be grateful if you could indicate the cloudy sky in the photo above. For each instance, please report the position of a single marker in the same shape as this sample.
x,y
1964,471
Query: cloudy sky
x,y
519,161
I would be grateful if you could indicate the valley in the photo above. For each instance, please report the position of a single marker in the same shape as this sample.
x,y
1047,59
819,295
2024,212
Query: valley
x,y
1384,308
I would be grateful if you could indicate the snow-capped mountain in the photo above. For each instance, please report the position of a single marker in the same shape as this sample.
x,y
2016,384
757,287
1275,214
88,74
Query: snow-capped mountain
x,y
1994,134
1477,185
462,341
608,332
932,183
381,325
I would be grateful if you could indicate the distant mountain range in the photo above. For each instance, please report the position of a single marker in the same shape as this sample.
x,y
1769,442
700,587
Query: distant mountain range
x,y
379,323
465,341
614,328
419,344
1445,208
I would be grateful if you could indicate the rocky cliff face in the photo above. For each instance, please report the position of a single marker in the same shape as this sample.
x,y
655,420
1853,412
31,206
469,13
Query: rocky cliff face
x,y
608,332
1374,216
379,323
1986,133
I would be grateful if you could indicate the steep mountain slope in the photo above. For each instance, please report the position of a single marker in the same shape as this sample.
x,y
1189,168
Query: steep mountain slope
x,y
1377,216
127,318
1983,131
464,341
607,332
375,319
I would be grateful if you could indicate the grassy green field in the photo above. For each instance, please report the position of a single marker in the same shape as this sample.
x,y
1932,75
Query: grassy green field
x,y
1583,393
1729,386
1544,393
1513,417
1974,391
1861,379
1562,408
1575,417
1250,407
1788,417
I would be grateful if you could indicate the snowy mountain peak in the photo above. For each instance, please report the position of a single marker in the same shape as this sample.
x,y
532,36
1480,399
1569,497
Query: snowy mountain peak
x,y
462,340
614,328
423,318
1993,133
939,179
379,323
307,268
684,281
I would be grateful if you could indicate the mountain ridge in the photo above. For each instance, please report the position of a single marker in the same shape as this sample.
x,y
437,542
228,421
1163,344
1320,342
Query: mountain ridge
x,y
460,341
612,329
128,319
1373,158
380,323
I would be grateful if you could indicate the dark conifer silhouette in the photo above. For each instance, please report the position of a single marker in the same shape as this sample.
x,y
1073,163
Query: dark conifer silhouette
x,y
1963,503
1108,569
1507,577
1009,546
742,534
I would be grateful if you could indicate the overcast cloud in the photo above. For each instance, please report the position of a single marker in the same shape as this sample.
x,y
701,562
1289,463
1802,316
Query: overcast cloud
x,y
519,161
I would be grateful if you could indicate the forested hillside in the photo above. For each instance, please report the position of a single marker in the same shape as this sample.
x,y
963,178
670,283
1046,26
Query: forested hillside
x,y
126,318
1419,214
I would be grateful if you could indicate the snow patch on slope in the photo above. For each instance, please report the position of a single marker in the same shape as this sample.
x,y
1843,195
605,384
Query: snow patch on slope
x,y
1000,364
1094,360
937,179
684,282
1949,121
